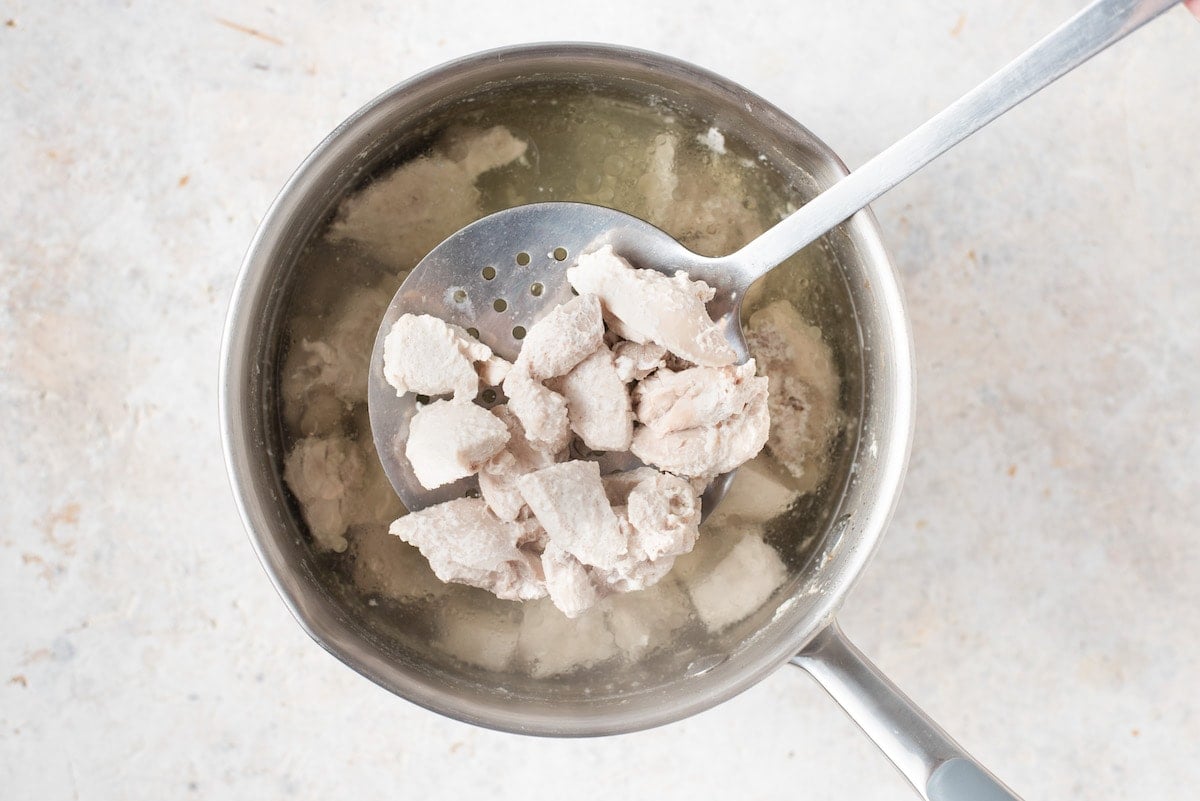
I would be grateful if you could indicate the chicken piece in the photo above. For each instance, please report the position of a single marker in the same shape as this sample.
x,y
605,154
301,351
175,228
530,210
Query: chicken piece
x,y
400,217
339,484
645,620
664,511
660,520
425,355
498,477
696,398
542,411
804,386
598,405
466,544
636,360
325,376
618,486
563,338
483,637
567,580
756,496
652,307
449,440
709,451
324,473
493,370
739,584
553,644
568,500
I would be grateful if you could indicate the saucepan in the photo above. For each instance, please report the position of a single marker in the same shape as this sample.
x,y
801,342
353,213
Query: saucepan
x,y
797,624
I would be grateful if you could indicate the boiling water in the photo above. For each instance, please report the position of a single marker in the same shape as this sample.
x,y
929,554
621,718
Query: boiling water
x,y
715,196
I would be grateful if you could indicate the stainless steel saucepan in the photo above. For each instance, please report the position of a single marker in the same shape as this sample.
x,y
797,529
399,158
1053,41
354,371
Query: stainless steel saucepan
x,y
797,625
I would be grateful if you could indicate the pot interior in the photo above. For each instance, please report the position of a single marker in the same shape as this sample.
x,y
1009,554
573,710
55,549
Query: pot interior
x,y
593,124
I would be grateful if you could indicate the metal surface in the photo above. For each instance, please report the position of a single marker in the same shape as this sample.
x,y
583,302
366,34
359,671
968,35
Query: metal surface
x,y
250,424
933,763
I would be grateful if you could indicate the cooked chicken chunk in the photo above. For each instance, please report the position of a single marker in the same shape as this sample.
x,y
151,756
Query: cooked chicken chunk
x,y
338,486
400,217
465,543
568,500
804,387
652,307
660,518
567,580
708,451
739,584
598,405
498,477
696,398
449,440
563,338
636,360
542,411
425,355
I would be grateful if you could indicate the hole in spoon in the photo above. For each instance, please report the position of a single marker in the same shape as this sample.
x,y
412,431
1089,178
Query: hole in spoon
x,y
489,273
523,258
518,332
500,305
460,295
488,395
473,332
559,254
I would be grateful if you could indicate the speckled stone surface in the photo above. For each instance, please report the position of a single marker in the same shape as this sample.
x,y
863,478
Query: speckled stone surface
x,y
1038,592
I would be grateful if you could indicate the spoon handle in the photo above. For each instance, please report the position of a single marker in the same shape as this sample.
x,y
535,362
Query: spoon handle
x,y
1097,26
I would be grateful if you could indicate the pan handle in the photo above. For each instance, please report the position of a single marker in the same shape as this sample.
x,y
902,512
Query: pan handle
x,y
933,763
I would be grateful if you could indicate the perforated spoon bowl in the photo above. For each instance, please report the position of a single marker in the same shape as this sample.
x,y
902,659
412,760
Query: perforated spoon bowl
x,y
499,275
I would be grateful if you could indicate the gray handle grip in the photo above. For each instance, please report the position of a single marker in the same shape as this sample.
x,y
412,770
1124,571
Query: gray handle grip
x,y
1097,26
933,763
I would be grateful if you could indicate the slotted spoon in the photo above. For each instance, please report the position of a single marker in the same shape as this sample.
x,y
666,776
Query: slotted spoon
x,y
499,275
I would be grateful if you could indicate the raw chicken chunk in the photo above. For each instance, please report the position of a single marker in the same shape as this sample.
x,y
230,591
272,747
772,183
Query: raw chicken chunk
x,y
696,398
399,218
498,477
568,500
563,338
739,584
567,580
542,411
598,405
652,307
804,387
449,440
425,355
465,543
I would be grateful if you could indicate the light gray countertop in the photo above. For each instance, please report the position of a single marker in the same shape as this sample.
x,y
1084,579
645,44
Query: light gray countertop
x,y
1039,589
